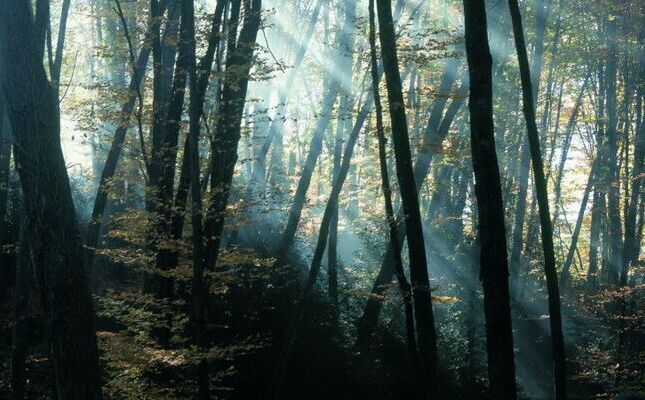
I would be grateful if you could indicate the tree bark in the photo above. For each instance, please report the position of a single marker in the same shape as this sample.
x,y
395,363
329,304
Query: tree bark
x,y
424,317
611,149
24,284
51,219
369,319
490,212
632,244
404,285
555,318
239,59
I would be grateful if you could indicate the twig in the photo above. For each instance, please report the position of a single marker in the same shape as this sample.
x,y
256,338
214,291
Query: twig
x,y
71,78
266,41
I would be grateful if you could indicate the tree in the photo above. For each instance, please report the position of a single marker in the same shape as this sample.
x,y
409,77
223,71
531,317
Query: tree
x,y
490,212
238,64
52,228
555,317
404,285
426,336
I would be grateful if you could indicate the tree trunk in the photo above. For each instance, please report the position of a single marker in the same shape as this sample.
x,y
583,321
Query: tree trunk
x,y
611,149
564,277
568,134
168,104
51,219
490,212
557,339
404,285
424,317
632,244
239,58
369,319
315,148
24,284
323,235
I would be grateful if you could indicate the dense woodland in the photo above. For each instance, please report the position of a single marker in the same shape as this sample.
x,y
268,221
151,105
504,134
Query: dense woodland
x,y
322,199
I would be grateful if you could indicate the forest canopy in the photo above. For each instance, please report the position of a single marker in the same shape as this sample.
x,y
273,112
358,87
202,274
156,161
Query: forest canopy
x,y
322,199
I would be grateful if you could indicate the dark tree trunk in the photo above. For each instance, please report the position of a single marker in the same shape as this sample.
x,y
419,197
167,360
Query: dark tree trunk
x,y
24,284
599,203
555,318
197,91
51,219
368,321
519,217
203,71
542,16
632,242
404,285
5,160
424,317
490,212
597,223
168,104
239,58
611,149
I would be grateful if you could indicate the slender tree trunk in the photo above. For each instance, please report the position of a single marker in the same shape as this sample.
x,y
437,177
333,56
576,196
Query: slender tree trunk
x,y
323,235
519,217
168,104
199,290
239,58
568,135
632,244
203,77
564,277
542,16
613,189
404,285
557,339
490,212
368,320
5,162
424,317
315,148
598,206
597,222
